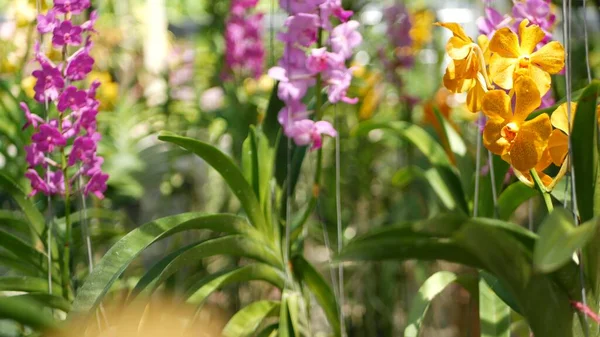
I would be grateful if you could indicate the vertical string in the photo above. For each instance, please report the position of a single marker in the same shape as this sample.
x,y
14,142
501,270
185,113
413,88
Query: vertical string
x,y
85,227
587,47
567,11
493,181
288,182
338,215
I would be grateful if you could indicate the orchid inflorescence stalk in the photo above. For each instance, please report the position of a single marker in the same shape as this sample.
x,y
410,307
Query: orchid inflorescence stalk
x,y
245,51
64,148
506,74
302,65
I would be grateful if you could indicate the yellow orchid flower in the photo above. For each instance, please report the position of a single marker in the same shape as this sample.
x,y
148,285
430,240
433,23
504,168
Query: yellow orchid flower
x,y
420,33
508,134
467,71
461,47
514,57
557,150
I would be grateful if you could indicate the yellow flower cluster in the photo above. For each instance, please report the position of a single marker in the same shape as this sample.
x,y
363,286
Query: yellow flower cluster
x,y
505,77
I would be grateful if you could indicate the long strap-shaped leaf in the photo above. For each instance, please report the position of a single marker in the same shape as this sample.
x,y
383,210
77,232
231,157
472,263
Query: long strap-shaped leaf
x,y
36,219
200,291
434,285
26,311
20,248
230,172
246,321
47,300
492,245
585,152
27,284
322,291
232,245
116,260
494,315
445,175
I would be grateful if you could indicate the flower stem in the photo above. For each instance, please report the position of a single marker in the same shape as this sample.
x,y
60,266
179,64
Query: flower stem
x,y
540,187
482,66
66,267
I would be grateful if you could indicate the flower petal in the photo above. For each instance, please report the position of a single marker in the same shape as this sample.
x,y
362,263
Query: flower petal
x,y
456,84
530,37
496,105
558,147
528,98
492,137
458,49
529,145
456,30
550,57
505,43
559,117
475,97
502,71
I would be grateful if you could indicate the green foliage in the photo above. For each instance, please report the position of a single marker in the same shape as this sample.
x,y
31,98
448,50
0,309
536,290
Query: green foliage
x,y
434,285
559,239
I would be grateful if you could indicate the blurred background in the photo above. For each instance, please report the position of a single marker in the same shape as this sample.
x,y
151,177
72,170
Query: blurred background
x,y
162,67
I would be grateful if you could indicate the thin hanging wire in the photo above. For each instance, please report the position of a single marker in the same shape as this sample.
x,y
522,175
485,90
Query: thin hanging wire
x,y
493,181
477,172
567,11
85,227
586,45
530,215
272,33
288,182
338,215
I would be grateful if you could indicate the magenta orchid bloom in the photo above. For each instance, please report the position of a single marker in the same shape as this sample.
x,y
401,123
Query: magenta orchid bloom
x,y
71,6
49,83
344,38
66,34
74,131
31,119
306,131
47,23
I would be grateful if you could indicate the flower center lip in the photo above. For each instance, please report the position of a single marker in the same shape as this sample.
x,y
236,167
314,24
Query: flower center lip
x,y
524,62
509,131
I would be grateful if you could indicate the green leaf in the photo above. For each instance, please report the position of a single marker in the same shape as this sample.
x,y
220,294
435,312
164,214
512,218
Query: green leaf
x,y
541,297
416,135
250,163
231,245
322,291
16,264
13,221
116,260
26,311
34,217
434,285
198,293
271,125
230,172
512,197
500,290
270,331
406,175
47,300
246,321
584,139
27,284
443,178
560,239
23,250
503,249
494,315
